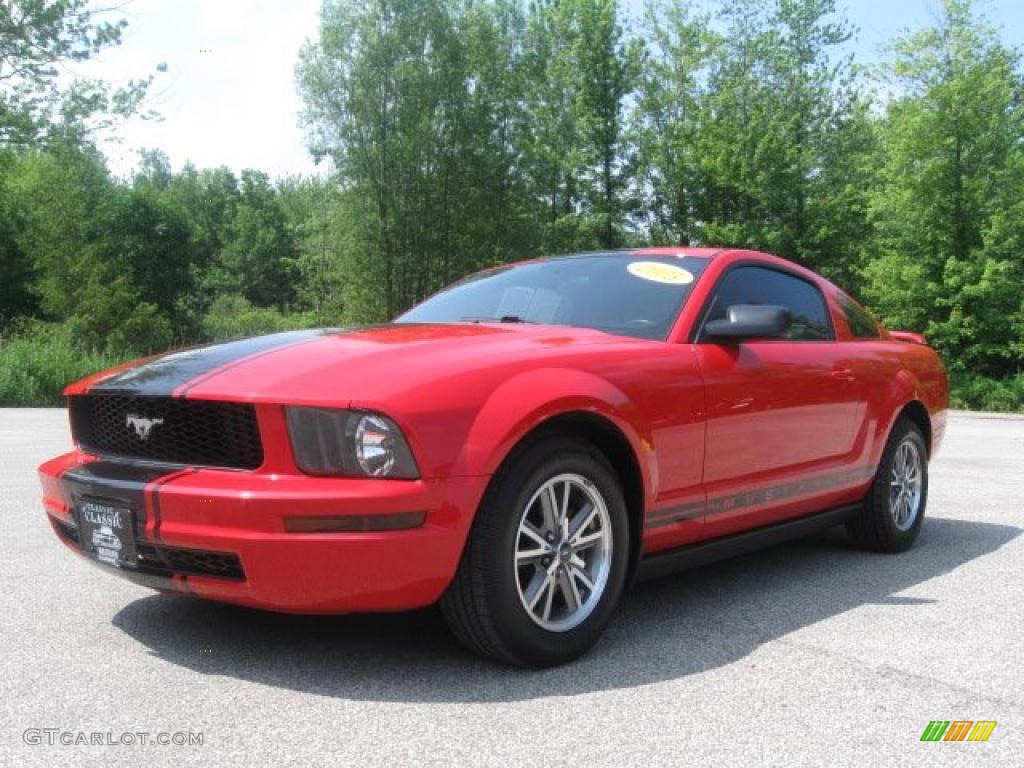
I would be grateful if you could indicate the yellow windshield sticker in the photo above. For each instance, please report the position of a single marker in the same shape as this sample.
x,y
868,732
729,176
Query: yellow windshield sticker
x,y
669,274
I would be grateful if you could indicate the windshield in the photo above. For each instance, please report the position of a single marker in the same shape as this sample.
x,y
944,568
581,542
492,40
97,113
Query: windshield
x,y
631,296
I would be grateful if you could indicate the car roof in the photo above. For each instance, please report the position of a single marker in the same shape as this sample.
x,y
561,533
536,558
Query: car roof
x,y
676,250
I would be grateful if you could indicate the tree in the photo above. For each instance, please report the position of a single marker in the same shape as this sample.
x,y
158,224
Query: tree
x,y
758,136
579,71
36,38
258,262
16,297
608,66
946,259
143,236
311,208
68,225
671,112
411,102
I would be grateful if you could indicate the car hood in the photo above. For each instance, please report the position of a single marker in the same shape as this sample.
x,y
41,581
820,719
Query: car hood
x,y
339,366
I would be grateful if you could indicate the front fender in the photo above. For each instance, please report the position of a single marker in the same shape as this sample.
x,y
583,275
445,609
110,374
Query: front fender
x,y
527,400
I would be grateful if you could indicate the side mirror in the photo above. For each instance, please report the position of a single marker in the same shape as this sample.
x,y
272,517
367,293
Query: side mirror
x,y
750,321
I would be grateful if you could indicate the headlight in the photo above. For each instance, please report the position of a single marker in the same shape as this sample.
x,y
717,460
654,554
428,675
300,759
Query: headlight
x,y
356,443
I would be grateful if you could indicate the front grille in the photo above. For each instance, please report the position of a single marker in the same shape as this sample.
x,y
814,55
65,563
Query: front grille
x,y
167,561
168,430
223,565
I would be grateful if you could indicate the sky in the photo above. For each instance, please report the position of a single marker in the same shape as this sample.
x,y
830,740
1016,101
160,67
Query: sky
x,y
228,96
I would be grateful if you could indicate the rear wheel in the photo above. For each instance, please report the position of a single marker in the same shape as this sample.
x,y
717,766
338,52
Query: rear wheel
x,y
894,507
546,560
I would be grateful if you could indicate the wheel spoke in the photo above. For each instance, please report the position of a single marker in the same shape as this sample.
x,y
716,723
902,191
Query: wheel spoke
x,y
527,530
569,590
527,555
583,542
542,579
549,508
546,615
582,521
579,573
563,514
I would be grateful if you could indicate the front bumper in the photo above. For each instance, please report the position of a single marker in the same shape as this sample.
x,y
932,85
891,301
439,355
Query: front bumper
x,y
222,535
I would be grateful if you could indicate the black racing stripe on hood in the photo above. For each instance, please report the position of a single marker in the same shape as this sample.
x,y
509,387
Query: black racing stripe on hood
x,y
163,376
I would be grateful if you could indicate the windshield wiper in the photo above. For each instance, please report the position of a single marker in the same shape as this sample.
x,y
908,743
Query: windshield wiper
x,y
502,319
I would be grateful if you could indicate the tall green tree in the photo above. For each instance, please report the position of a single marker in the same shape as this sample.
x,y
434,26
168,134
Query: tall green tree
x,y
947,256
16,295
36,38
311,208
409,100
581,68
780,100
258,262
139,233
671,112
608,65
66,213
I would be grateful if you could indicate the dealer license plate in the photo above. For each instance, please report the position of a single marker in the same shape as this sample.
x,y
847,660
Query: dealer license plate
x,y
107,532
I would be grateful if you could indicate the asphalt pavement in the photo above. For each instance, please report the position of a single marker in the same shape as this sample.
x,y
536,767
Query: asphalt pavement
x,y
811,653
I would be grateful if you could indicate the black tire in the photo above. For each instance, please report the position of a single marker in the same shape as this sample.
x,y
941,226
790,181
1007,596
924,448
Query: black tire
x,y
875,527
483,606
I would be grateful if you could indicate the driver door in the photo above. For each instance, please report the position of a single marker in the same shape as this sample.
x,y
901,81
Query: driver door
x,y
781,412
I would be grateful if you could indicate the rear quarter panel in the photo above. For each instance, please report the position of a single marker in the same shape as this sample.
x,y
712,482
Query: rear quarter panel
x,y
895,371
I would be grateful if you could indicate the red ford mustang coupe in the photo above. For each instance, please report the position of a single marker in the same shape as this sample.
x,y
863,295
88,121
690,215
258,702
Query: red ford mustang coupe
x,y
517,447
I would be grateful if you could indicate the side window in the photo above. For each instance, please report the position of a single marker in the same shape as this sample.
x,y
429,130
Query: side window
x,y
759,285
862,325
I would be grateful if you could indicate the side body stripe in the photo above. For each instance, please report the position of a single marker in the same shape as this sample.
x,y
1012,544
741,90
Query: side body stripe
x,y
718,505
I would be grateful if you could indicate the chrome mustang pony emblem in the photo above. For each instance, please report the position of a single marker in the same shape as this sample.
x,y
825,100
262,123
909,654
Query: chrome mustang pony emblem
x,y
142,426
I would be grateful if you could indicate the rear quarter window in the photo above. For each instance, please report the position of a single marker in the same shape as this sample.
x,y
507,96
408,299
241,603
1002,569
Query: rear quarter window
x,y
862,324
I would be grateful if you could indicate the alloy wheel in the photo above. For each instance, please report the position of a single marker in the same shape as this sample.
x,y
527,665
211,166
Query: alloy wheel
x,y
563,552
905,484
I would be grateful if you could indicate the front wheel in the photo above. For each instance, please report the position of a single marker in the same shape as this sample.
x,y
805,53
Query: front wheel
x,y
546,560
894,507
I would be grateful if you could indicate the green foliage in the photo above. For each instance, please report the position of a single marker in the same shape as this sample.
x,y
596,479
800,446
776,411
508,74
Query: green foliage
x,y
139,239
579,69
16,297
233,317
39,37
979,393
465,133
258,261
36,364
756,136
946,255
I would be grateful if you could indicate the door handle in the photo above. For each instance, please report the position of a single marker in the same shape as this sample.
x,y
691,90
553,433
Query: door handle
x,y
842,374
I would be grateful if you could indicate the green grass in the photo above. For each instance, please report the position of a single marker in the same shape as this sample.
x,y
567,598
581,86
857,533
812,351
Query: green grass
x,y
37,365
978,393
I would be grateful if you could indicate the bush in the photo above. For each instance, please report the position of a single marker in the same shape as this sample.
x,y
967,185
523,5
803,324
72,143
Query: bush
x,y
979,393
232,317
38,359
37,364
